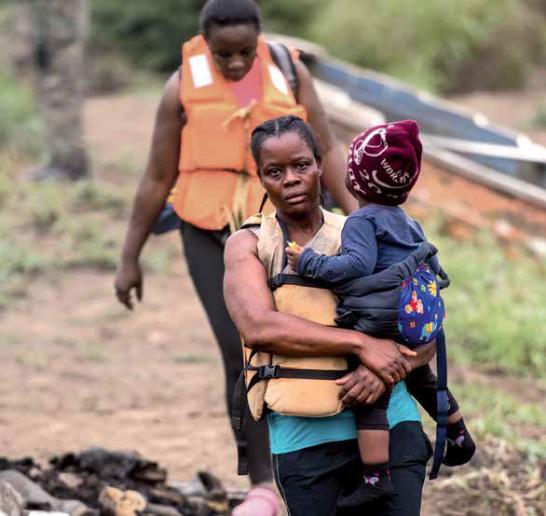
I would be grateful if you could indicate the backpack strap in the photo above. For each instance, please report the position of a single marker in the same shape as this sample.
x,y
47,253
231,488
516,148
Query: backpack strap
x,y
283,59
442,404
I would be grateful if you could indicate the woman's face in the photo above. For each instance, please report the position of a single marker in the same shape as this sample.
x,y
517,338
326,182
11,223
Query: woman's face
x,y
290,174
233,49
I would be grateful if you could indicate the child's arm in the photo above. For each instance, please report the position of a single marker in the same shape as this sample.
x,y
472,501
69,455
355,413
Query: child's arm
x,y
357,258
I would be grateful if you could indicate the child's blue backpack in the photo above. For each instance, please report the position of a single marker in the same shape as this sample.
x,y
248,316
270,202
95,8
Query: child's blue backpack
x,y
421,310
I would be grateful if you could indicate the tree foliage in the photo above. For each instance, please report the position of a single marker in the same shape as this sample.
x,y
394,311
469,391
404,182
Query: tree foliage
x,y
436,44
148,33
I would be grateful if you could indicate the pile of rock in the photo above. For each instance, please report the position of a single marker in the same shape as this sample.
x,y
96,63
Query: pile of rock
x,y
102,482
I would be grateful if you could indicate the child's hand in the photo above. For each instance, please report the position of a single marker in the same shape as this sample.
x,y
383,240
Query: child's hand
x,y
293,252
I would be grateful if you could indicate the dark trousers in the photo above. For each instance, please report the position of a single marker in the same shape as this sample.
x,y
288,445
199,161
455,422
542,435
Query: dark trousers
x,y
311,480
204,251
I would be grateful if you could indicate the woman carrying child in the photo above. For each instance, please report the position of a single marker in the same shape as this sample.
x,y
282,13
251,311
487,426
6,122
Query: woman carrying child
x,y
384,165
316,459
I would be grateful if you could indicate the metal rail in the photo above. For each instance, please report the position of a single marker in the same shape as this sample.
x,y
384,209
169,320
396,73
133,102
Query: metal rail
x,y
458,135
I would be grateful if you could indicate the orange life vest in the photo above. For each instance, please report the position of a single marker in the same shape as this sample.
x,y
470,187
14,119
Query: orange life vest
x,y
218,179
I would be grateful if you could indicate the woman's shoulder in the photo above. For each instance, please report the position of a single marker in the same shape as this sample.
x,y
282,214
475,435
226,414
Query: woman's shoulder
x,y
170,98
334,219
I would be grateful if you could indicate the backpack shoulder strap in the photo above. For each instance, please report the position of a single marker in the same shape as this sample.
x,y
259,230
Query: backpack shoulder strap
x,y
283,59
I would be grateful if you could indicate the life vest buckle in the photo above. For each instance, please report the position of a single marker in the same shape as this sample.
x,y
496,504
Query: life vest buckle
x,y
266,372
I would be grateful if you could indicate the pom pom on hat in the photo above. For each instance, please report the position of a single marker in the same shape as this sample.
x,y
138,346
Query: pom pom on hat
x,y
385,162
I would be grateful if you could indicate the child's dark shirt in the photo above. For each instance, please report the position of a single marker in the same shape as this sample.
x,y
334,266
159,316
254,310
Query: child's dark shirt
x,y
373,238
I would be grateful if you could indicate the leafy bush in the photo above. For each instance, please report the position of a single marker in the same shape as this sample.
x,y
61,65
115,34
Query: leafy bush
x,y
539,118
49,227
436,44
495,306
149,33
20,127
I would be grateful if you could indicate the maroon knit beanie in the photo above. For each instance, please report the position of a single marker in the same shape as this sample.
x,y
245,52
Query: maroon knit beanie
x,y
384,162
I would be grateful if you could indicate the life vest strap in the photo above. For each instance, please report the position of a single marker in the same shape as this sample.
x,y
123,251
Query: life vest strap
x,y
294,279
269,372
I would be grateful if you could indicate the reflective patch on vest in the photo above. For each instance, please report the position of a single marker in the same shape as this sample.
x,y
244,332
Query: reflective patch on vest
x,y
200,71
278,79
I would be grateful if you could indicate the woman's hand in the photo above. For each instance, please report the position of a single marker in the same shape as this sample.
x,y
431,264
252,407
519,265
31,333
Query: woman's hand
x,y
128,276
384,358
360,386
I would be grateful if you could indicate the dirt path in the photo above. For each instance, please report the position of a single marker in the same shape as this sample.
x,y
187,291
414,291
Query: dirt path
x,y
82,371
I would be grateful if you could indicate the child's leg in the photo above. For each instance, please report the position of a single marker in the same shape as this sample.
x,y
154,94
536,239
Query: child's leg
x,y
421,384
373,430
373,445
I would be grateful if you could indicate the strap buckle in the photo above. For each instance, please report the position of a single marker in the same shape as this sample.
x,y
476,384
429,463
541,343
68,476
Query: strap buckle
x,y
266,372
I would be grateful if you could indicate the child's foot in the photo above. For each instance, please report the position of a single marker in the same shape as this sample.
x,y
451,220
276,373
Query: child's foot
x,y
375,484
460,445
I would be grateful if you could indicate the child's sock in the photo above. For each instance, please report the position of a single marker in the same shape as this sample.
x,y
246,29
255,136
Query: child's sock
x,y
460,445
375,484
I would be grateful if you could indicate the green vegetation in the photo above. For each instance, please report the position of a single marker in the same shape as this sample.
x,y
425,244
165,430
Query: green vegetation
x,y
150,33
191,358
20,126
495,306
539,119
436,44
49,227
492,411
443,45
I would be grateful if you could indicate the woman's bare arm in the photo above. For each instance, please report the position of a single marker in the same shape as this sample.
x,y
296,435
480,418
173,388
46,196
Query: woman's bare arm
x,y
252,308
153,189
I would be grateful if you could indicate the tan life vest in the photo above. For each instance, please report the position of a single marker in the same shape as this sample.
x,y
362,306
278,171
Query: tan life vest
x,y
288,395
218,180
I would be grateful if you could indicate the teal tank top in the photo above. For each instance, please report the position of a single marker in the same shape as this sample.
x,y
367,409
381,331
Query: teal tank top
x,y
291,433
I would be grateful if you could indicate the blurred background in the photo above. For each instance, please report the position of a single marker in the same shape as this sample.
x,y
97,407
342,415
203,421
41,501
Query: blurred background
x,y
77,370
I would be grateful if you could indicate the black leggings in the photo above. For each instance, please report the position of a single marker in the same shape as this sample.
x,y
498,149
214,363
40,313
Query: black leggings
x,y
204,252
311,480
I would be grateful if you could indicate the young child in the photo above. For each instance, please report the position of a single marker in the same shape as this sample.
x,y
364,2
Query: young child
x,y
383,166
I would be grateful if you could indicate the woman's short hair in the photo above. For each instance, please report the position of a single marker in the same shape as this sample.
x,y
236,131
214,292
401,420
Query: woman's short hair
x,y
229,12
279,126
